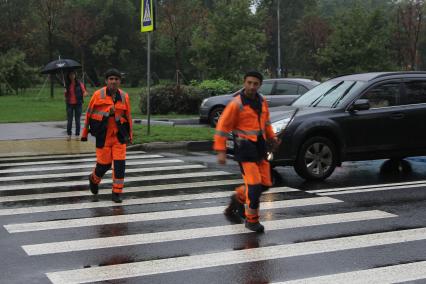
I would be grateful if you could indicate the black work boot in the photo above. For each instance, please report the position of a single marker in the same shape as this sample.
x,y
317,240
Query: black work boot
x,y
94,188
235,210
116,197
255,227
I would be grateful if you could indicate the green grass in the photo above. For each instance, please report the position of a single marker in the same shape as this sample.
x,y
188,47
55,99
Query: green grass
x,y
35,105
164,133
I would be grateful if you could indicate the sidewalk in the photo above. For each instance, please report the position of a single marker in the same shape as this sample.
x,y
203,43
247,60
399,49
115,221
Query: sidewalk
x,y
38,138
44,138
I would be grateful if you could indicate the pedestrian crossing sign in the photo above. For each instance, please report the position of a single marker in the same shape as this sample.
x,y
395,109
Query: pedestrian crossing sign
x,y
147,16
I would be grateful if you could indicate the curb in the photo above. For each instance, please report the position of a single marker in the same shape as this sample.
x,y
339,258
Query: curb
x,y
182,145
171,122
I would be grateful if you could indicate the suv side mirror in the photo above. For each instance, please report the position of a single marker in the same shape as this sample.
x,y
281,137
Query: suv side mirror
x,y
360,104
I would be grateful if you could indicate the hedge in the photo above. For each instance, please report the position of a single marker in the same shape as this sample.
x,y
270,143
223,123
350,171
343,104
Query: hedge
x,y
173,99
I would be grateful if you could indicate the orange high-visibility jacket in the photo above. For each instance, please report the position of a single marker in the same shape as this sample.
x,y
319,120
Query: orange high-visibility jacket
x,y
242,121
104,116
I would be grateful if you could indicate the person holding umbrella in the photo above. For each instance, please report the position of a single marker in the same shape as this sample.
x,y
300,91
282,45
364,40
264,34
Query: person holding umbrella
x,y
74,89
74,94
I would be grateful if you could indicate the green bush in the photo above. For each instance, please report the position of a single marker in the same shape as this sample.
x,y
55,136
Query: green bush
x,y
15,74
215,87
173,99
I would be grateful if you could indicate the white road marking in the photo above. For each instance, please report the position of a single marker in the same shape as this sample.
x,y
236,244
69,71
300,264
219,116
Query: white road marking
x,y
152,216
417,186
132,157
38,157
135,201
146,188
108,181
87,166
383,275
85,173
175,264
187,234
377,187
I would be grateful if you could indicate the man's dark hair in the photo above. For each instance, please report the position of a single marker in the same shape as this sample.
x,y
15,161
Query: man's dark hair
x,y
255,74
112,72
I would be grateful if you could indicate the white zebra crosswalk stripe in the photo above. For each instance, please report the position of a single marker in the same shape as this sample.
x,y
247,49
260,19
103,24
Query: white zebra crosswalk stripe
x,y
85,173
155,216
88,166
50,162
38,157
160,266
167,236
369,188
145,188
135,201
383,275
128,179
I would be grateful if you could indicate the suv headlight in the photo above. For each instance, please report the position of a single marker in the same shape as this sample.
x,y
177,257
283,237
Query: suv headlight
x,y
280,125
204,102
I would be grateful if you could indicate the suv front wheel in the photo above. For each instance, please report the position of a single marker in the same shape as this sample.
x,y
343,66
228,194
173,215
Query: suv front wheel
x,y
317,158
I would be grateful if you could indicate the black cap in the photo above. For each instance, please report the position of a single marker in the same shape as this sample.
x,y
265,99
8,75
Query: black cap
x,y
255,74
112,72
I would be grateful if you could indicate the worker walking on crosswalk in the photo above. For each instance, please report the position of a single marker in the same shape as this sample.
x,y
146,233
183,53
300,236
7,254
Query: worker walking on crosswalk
x,y
108,118
247,118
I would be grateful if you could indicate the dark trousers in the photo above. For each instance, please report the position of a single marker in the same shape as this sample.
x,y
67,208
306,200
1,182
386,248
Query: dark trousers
x,y
73,112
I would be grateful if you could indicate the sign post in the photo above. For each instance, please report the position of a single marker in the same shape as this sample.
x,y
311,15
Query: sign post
x,y
148,25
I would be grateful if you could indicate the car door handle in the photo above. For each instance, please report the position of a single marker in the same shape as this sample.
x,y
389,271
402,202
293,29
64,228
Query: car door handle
x,y
398,115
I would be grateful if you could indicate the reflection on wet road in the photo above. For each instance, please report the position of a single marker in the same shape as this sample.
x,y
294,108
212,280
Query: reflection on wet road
x,y
364,224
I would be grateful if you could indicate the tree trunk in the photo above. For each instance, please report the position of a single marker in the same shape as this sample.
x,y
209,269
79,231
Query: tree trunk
x,y
49,36
177,62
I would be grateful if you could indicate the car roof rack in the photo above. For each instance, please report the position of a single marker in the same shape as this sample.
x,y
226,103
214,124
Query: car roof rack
x,y
375,75
399,73
342,75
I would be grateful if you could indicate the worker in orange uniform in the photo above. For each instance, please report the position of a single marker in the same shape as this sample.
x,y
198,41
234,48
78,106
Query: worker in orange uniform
x,y
108,118
247,118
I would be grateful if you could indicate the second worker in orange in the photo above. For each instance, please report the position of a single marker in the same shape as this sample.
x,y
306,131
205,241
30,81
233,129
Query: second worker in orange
x,y
247,118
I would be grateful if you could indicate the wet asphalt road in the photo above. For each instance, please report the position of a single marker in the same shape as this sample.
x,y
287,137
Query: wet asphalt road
x,y
366,223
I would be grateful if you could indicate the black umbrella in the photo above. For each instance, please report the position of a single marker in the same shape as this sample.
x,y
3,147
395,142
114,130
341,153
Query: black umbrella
x,y
60,65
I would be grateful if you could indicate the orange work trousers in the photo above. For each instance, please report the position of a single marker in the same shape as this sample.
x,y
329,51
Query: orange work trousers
x,y
112,154
257,178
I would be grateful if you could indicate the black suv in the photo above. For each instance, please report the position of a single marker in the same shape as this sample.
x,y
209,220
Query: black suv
x,y
355,117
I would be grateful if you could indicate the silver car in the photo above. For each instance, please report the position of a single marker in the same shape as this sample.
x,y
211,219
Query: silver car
x,y
277,92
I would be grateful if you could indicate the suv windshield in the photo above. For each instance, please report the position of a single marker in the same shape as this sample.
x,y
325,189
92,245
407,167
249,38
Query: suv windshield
x,y
329,94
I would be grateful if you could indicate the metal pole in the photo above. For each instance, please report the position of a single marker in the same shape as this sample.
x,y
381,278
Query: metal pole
x,y
278,41
148,82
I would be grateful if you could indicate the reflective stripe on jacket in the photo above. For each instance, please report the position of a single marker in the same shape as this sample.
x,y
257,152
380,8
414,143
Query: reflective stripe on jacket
x,y
104,118
242,121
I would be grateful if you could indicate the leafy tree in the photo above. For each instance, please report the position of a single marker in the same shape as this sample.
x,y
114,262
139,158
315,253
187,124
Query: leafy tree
x,y
15,74
177,20
16,22
331,8
118,41
231,41
49,11
311,37
409,27
78,28
359,43
290,14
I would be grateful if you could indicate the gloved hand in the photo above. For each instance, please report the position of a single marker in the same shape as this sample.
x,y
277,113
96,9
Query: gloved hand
x,y
275,142
83,139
